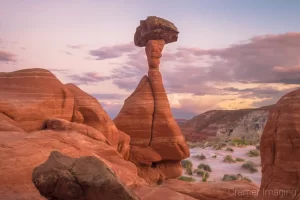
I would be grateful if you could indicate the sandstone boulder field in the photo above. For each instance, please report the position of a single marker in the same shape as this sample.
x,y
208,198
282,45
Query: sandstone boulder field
x,y
57,141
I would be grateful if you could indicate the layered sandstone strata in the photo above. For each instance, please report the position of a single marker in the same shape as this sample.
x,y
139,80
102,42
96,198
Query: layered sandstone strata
x,y
30,96
280,150
146,115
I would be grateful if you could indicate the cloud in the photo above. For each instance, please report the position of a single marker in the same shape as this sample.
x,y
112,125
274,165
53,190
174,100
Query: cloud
x,y
256,60
67,53
109,96
75,46
88,78
7,56
112,51
251,73
287,69
112,109
65,71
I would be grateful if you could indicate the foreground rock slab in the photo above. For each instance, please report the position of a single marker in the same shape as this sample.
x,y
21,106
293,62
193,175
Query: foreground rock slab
x,y
84,178
233,190
21,152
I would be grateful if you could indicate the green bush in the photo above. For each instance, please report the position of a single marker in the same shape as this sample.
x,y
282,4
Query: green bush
x,y
233,177
254,153
186,178
200,157
229,159
249,165
229,149
189,171
239,142
195,144
219,146
247,179
205,167
201,172
186,164
239,160
229,177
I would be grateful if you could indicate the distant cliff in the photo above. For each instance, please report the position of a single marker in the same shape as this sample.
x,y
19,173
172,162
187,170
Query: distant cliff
x,y
226,124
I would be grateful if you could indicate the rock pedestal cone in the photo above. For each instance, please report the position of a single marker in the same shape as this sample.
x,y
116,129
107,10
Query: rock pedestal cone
x,y
146,115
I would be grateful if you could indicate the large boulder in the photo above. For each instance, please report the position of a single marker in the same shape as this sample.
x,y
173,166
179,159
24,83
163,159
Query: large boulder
x,y
85,178
30,96
155,28
280,152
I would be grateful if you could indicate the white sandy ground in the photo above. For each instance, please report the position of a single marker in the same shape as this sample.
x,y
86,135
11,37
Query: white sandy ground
x,y
219,168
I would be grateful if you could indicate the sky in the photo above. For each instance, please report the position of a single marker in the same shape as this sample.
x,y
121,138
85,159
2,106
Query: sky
x,y
230,54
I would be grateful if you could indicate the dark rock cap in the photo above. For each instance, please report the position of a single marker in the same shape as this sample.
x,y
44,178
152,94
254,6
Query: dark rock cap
x,y
155,28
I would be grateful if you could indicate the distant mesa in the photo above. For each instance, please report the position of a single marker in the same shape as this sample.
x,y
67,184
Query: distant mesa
x,y
155,28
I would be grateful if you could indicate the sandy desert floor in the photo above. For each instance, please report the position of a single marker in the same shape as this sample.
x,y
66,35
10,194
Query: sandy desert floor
x,y
219,168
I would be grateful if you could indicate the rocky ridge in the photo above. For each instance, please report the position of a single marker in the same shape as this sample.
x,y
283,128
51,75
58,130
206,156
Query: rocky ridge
x,y
226,124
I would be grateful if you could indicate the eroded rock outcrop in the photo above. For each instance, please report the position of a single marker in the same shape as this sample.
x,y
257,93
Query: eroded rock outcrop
x,y
64,125
280,153
30,96
84,178
146,115
88,110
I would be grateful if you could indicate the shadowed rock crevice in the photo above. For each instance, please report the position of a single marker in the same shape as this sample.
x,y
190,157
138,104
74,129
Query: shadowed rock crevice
x,y
153,114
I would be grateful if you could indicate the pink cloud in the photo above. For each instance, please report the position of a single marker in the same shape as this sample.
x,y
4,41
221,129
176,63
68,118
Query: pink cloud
x,y
287,69
7,56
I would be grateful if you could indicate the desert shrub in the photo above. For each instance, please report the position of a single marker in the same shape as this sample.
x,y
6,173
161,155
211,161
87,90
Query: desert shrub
x,y
229,159
239,160
186,178
249,165
195,144
200,157
254,153
205,167
233,177
239,142
214,156
186,164
219,146
201,172
205,177
229,177
247,179
229,149
189,171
